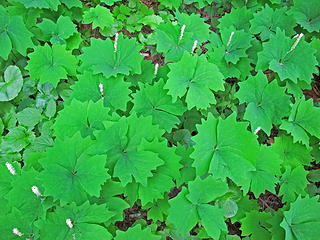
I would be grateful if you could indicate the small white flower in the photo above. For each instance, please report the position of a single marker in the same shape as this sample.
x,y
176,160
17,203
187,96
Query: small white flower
x,y
10,168
101,90
230,38
156,67
69,223
194,46
17,232
116,42
296,42
182,31
36,191
257,130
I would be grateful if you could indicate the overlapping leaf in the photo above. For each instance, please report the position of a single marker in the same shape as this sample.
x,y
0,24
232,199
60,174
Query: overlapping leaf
x,y
115,90
195,77
190,207
266,22
301,222
99,17
307,14
59,31
70,172
154,100
290,58
223,147
50,64
85,220
304,119
83,117
101,57
120,141
267,103
14,34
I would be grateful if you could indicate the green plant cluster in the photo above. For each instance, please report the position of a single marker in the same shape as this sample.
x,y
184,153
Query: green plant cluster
x,y
189,111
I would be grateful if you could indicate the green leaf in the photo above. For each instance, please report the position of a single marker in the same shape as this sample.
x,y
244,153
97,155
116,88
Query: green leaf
x,y
267,103
255,223
266,21
81,117
50,64
101,58
289,58
120,141
99,17
49,4
70,172
16,140
72,3
14,34
223,147
206,190
22,197
304,118
110,2
12,84
59,31
293,182
182,213
314,175
85,220
162,179
292,154
154,100
301,222
212,220
239,18
235,44
195,77
115,90
267,166
51,109
169,42
200,193
307,14
194,25
29,117
136,233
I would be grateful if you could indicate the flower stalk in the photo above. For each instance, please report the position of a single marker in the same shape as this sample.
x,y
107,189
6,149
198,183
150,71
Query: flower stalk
x,y
10,168
36,191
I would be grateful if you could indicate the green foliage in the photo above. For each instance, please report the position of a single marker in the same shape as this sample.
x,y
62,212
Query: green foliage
x,y
103,57
194,77
284,56
267,103
164,119
50,64
300,222
58,32
14,34
12,84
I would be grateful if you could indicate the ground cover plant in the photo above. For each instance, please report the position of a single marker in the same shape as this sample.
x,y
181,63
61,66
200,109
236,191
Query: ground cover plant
x,y
159,119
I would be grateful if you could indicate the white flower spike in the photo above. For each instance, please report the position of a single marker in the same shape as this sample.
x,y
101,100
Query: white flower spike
x,y
36,191
182,31
69,223
101,90
156,67
17,232
115,45
296,42
10,168
257,130
194,46
230,38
